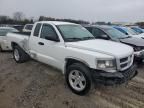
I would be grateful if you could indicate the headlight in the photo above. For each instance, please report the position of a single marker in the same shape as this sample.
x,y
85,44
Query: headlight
x,y
137,48
106,64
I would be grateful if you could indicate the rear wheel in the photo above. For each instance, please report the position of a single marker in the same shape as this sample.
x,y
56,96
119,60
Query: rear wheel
x,y
20,55
78,78
1,49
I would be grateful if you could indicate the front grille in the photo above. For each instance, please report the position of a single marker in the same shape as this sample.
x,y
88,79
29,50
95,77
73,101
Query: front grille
x,y
124,65
123,59
126,62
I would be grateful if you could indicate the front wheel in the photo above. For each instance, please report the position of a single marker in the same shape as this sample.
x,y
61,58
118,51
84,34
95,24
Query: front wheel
x,y
78,78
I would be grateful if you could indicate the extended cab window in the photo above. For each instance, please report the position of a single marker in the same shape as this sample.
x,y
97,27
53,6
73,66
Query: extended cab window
x,y
48,32
37,29
98,33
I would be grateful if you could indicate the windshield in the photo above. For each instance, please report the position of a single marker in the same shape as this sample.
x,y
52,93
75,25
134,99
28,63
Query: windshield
x,y
138,30
3,31
75,33
129,31
114,33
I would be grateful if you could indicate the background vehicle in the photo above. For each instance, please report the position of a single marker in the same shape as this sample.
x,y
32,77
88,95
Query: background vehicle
x,y
28,28
126,30
18,27
4,43
129,31
109,33
137,29
72,49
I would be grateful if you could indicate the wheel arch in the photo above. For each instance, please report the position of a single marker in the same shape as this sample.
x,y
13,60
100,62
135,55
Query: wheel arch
x,y
70,60
13,44
0,47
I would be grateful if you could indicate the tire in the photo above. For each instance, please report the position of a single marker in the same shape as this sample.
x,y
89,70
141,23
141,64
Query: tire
x,y
84,77
1,50
139,61
19,55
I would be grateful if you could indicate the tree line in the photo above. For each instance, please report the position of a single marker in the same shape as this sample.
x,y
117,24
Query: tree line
x,y
140,24
43,18
20,19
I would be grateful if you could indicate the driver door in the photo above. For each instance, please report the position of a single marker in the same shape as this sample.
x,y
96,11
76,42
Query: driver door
x,y
48,46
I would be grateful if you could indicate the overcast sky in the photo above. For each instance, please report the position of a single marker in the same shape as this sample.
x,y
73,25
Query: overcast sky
x,y
91,10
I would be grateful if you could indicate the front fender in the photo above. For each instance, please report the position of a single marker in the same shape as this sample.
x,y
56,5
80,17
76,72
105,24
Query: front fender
x,y
74,59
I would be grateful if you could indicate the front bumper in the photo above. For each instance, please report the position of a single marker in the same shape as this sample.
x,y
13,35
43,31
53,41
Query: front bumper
x,y
120,77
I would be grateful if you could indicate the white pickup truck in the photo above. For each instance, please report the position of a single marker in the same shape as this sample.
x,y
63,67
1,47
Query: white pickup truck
x,y
83,59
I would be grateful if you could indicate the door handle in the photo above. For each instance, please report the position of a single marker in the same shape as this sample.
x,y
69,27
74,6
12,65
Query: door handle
x,y
40,43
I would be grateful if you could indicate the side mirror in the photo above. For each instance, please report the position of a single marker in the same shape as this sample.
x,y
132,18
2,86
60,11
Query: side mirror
x,y
52,38
104,36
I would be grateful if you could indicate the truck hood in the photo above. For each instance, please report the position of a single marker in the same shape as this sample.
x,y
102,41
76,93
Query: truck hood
x,y
133,41
103,46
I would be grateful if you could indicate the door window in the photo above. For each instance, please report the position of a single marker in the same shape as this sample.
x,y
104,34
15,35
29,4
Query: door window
x,y
37,29
98,33
48,32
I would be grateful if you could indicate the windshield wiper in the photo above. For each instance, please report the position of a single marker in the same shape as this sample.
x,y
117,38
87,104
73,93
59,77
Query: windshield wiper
x,y
74,39
125,37
79,39
87,38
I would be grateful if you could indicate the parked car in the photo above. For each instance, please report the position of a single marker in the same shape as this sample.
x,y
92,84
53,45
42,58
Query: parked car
x,y
4,43
137,29
18,27
129,31
109,33
75,51
28,28
126,30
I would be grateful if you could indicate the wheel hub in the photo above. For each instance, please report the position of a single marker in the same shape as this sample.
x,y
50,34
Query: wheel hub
x,y
77,80
16,54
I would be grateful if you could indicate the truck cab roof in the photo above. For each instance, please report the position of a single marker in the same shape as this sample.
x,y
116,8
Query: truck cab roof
x,y
56,22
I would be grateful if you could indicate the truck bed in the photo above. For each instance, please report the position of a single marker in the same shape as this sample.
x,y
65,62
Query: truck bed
x,y
21,38
23,33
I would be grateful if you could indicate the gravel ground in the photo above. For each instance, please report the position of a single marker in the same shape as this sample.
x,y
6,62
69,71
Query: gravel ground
x,y
36,85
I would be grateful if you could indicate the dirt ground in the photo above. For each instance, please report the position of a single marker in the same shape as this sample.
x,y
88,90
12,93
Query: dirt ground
x,y
35,85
